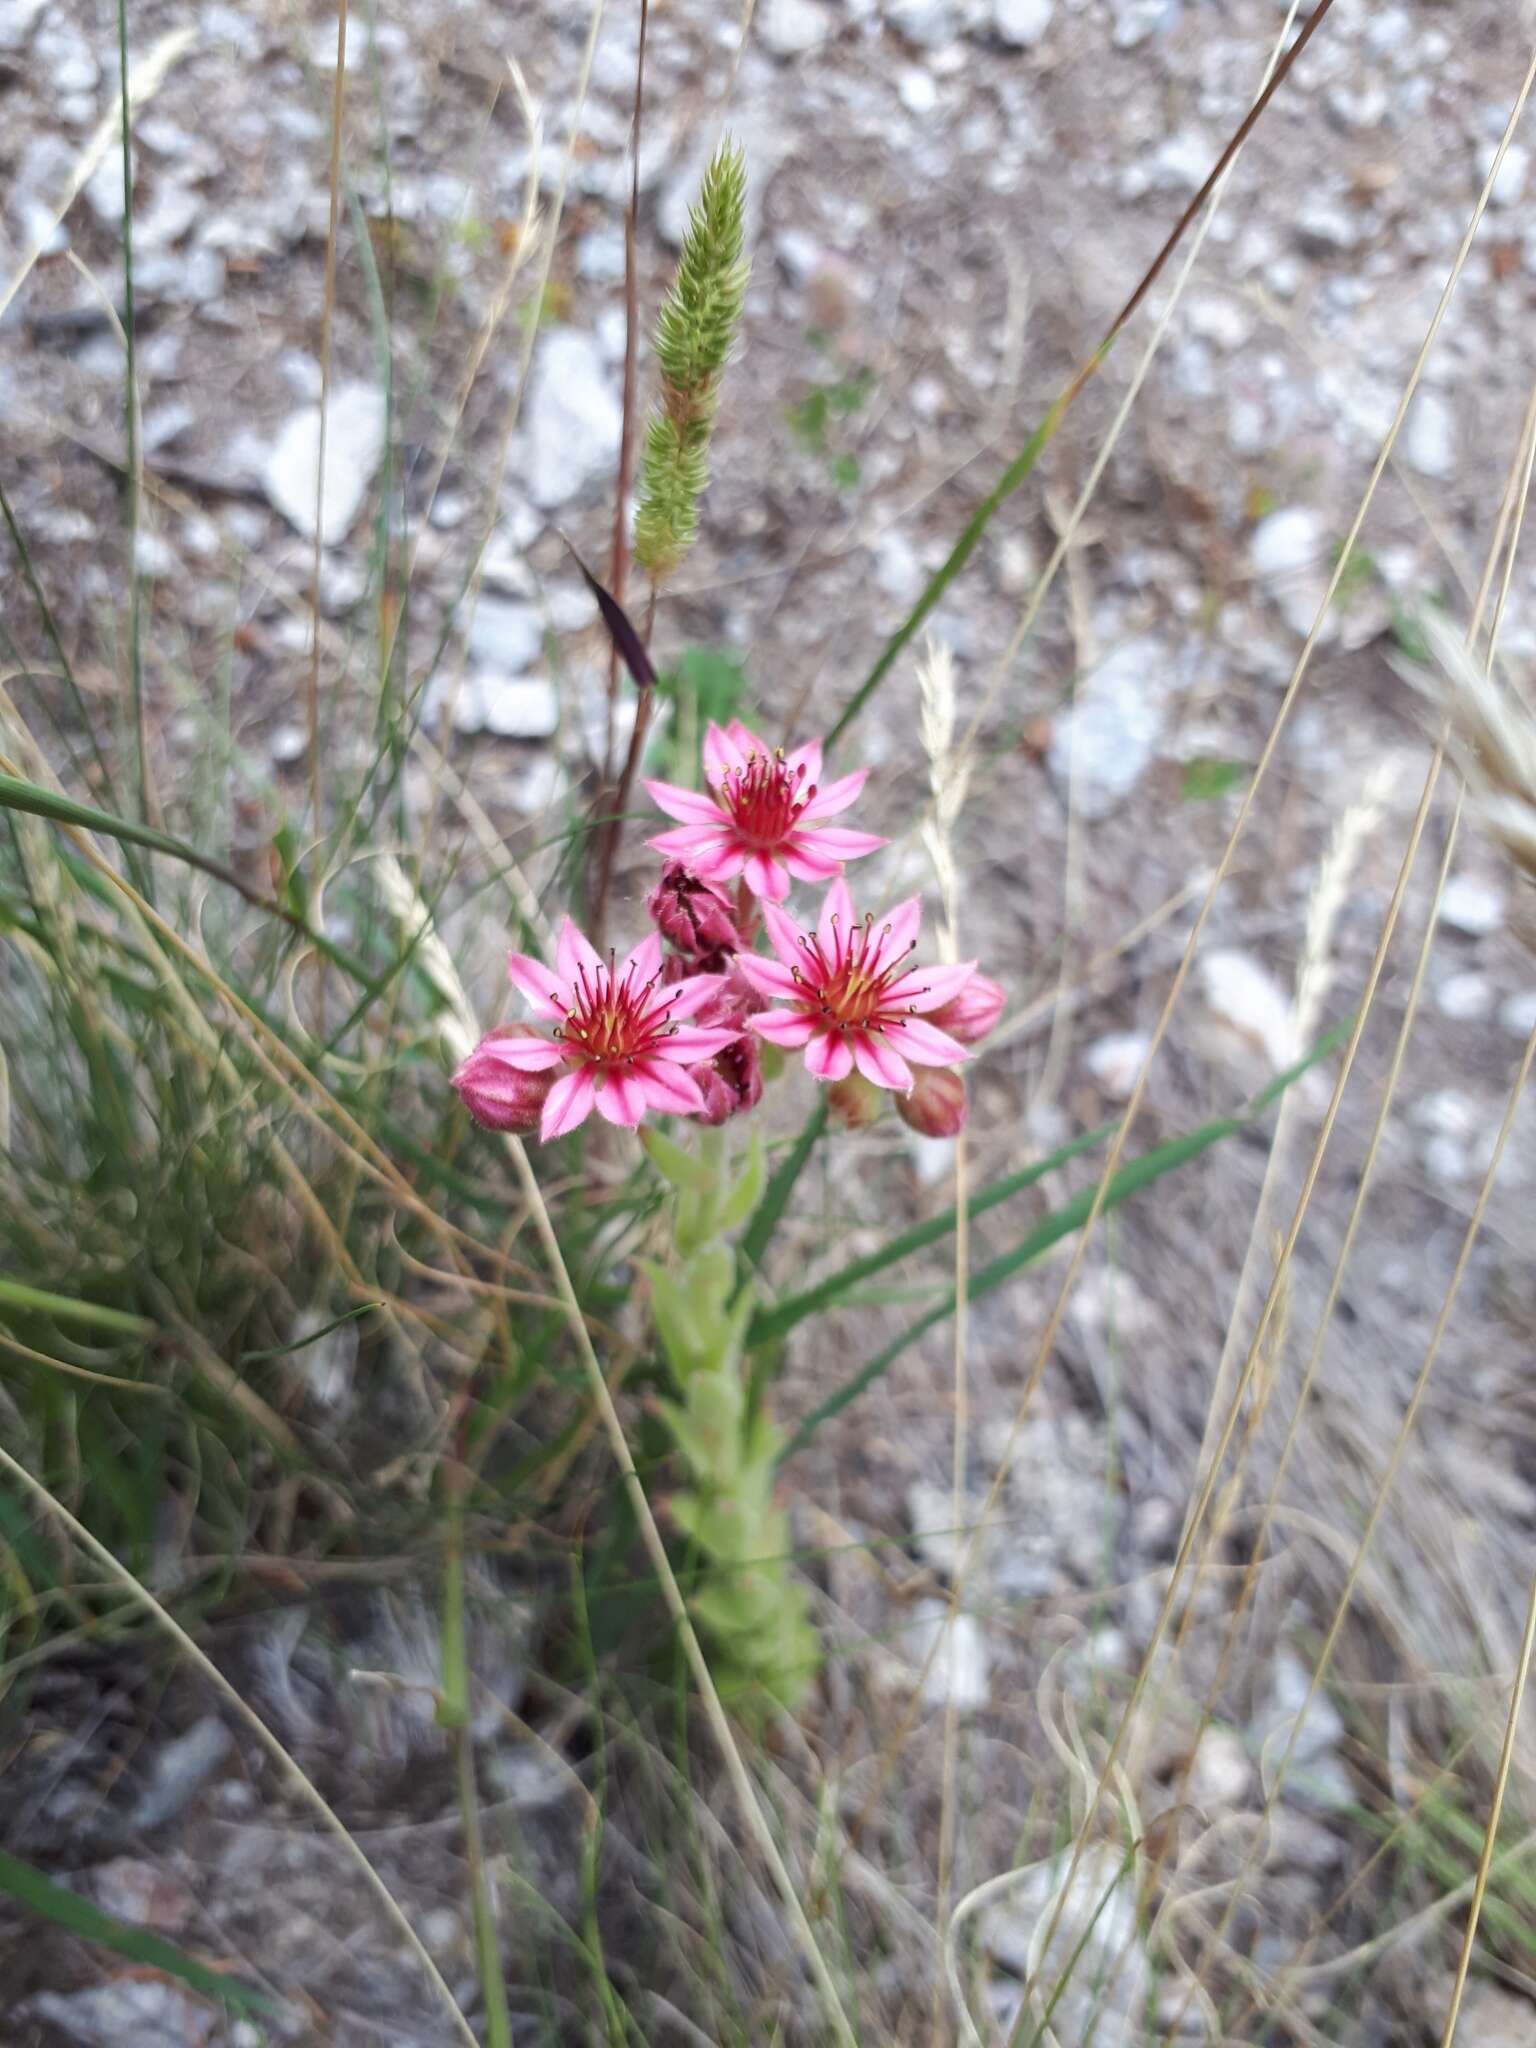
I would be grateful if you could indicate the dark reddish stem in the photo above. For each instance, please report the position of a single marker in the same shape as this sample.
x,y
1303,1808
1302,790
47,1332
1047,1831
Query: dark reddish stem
x,y
618,563
618,568
615,827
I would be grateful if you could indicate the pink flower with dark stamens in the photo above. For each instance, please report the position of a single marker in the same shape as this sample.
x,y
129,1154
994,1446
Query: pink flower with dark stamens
x,y
850,996
618,1029
766,816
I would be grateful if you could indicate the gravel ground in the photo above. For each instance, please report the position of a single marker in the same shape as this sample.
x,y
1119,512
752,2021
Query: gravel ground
x,y
951,198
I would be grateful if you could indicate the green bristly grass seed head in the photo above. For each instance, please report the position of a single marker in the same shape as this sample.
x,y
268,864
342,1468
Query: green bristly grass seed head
x,y
694,336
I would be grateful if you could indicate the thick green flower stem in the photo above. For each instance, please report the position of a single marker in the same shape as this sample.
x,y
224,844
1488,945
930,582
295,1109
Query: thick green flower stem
x,y
746,1597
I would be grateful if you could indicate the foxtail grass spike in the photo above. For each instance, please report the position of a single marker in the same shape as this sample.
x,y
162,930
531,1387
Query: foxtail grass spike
x,y
694,336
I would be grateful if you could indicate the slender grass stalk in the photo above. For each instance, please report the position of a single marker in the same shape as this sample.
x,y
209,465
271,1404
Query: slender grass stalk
x,y
493,1984
618,559
1024,462
133,480
55,641
327,327
615,2018
1491,1830
1218,880
1515,495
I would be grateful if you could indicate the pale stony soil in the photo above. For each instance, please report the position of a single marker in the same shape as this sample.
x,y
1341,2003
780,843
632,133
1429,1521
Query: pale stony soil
x,y
952,196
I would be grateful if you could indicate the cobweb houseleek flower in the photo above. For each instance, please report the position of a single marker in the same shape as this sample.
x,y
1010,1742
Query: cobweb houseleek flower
x,y
764,815
849,996
619,1031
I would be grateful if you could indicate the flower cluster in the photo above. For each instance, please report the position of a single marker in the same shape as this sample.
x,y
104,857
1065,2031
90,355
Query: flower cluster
x,y
679,1032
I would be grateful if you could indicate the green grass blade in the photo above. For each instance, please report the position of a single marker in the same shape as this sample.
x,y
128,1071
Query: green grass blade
x,y
17,794
63,1309
956,560
50,627
349,1315
1071,1216
772,1323
758,1235
67,1909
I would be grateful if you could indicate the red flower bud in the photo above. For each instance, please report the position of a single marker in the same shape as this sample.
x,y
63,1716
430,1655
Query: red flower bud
x,y
730,1083
854,1102
936,1104
499,1096
734,1001
694,915
971,1014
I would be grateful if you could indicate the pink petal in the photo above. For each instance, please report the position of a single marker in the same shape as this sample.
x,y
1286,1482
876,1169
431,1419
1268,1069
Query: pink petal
x,y
807,757
686,804
643,963
722,755
838,842
897,930
805,865
835,923
620,1097
693,1043
878,1063
567,1104
828,1056
769,977
766,878
929,988
528,1055
668,1087
784,935
546,993
837,796
713,855
720,865
925,1043
573,954
747,741
789,1028
684,998
684,841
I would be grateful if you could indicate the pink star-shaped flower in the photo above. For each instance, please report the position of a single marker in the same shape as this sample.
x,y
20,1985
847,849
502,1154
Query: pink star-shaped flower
x,y
848,995
618,1029
765,818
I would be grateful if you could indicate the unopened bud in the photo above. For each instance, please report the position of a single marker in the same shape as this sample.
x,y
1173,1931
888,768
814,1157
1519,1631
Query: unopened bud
x,y
498,1095
854,1102
730,1083
936,1104
693,914
971,1014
